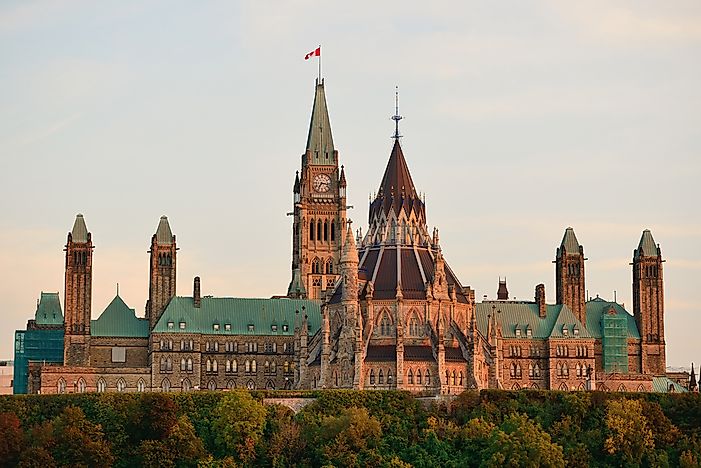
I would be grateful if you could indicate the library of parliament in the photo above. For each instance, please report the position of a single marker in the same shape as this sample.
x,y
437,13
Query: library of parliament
x,y
379,310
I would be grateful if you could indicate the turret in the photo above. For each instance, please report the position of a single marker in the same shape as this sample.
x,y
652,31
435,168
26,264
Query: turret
x,y
162,271
78,295
569,275
648,303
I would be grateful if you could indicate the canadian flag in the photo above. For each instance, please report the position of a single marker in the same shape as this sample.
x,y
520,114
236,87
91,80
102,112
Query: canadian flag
x,y
314,53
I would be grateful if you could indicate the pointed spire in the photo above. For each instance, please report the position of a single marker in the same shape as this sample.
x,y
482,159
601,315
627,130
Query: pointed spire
x,y
342,181
397,190
646,246
320,140
569,243
396,117
296,186
692,379
79,233
350,252
164,236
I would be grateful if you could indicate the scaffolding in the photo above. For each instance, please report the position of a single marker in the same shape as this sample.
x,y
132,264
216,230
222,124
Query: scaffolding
x,y
615,343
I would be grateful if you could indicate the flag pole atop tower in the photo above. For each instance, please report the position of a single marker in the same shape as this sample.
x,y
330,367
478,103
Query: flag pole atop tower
x,y
319,49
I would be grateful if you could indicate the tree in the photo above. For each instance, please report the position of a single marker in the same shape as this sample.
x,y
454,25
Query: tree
x,y
519,442
629,437
239,424
350,438
11,439
79,442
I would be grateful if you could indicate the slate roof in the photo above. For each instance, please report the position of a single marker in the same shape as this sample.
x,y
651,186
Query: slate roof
x,y
524,315
49,310
595,310
454,355
418,353
646,246
569,243
319,139
382,353
164,236
79,233
267,316
119,320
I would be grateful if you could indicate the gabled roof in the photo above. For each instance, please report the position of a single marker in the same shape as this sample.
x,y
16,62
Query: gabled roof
x,y
164,236
49,310
596,309
245,316
397,189
119,320
319,139
646,246
524,315
569,243
79,233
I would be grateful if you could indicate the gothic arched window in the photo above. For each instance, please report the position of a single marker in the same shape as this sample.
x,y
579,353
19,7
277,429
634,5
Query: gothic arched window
x,y
380,377
428,377
121,385
318,230
165,385
410,377
311,230
140,385
372,376
333,231
316,268
61,386
326,231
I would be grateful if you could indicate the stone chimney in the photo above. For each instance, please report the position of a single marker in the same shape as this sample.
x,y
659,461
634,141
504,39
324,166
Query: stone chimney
x,y
196,297
540,300
502,292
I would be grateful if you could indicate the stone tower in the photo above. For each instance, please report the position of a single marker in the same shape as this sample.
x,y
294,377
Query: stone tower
x,y
162,270
648,304
78,295
319,209
569,275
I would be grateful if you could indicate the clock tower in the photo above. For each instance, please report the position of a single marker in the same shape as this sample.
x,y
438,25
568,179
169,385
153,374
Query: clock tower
x,y
319,209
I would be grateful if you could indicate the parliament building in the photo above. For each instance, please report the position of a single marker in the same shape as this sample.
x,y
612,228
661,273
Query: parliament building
x,y
379,310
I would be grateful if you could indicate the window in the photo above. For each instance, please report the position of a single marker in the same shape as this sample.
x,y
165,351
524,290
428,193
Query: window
x,y
530,370
186,386
285,327
248,366
170,325
140,385
182,325
286,367
518,331
212,385
169,364
266,367
410,377
380,377
311,230
536,370
372,376
565,331
214,366
234,366
81,386
183,364
121,385
316,268
251,385
273,327
253,366
216,346
209,365
165,385
428,377
389,377
251,327
575,331
227,326
529,332
215,327
61,386
418,377
189,364
101,385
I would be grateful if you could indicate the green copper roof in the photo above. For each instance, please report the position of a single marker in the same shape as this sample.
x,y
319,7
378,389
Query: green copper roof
x,y
647,246
79,233
661,385
569,243
319,140
524,315
49,310
164,236
597,307
120,321
243,316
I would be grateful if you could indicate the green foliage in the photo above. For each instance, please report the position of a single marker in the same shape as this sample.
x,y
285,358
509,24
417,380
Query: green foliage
x,y
239,425
351,428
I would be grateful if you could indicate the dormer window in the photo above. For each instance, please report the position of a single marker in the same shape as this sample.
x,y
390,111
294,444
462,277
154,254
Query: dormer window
x,y
518,331
565,331
170,325
182,325
251,327
273,327
529,332
227,326
215,327
575,331
285,328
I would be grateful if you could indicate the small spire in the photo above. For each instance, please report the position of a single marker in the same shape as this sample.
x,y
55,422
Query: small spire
x,y
396,117
296,187
164,236
343,177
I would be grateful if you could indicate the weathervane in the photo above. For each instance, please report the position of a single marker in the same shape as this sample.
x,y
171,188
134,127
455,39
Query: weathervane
x,y
396,117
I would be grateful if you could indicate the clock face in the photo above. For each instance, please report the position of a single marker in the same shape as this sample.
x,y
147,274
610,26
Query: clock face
x,y
321,183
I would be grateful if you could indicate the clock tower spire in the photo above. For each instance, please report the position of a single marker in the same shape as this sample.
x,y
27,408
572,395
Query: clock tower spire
x,y
319,208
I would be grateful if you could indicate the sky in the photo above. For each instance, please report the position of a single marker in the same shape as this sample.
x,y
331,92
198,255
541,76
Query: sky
x,y
521,118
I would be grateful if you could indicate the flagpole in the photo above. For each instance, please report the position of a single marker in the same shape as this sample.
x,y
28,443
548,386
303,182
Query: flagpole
x,y
319,63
